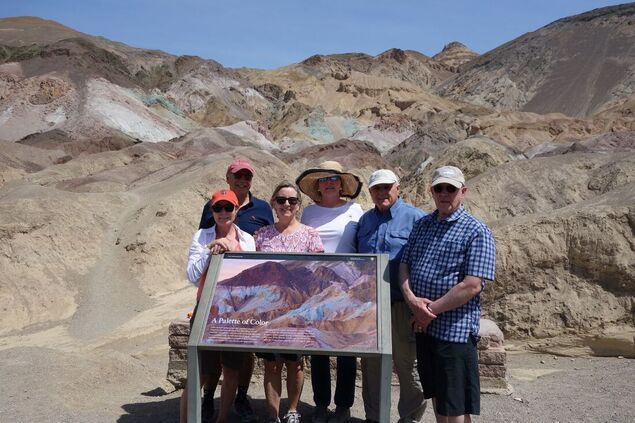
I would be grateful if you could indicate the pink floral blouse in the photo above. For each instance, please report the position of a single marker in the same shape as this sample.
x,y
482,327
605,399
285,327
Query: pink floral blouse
x,y
303,240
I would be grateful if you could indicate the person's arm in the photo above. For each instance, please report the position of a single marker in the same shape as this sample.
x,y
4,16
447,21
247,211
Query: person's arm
x,y
198,259
422,315
460,294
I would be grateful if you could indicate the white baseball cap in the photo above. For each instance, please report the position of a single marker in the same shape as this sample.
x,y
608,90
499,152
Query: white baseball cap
x,y
448,175
382,176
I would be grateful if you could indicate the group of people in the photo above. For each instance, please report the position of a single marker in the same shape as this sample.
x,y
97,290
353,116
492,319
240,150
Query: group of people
x,y
438,265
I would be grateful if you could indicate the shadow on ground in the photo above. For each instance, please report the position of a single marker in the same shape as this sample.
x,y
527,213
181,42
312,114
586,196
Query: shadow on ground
x,y
164,411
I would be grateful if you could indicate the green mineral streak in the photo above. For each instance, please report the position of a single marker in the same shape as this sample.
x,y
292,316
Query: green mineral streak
x,y
318,130
350,126
153,100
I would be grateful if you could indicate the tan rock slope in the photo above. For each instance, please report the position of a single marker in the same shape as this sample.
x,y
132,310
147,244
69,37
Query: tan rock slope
x,y
108,153
571,66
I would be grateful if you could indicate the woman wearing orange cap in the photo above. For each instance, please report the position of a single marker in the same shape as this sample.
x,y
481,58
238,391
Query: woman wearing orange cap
x,y
222,237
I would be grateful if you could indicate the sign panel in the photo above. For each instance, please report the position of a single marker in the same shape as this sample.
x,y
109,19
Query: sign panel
x,y
295,302
334,304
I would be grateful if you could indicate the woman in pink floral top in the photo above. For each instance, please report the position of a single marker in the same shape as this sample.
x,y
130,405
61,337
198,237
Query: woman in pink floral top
x,y
286,235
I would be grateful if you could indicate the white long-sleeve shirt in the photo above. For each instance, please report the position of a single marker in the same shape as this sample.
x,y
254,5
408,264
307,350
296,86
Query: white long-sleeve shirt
x,y
199,255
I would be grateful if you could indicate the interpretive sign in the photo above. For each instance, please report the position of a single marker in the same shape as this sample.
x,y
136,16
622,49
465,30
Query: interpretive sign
x,y
296,303
335,304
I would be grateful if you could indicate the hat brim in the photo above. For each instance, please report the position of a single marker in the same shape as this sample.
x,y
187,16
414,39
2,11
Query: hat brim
x,y
452,182
308,183
383,181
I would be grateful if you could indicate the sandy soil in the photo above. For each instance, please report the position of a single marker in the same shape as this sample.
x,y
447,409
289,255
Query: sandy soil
x,y
121,381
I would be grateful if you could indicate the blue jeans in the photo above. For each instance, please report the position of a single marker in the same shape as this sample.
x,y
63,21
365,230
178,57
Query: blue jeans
x,y
344,385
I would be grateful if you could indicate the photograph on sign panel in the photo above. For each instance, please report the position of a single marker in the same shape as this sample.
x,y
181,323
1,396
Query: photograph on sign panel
x,y
296,303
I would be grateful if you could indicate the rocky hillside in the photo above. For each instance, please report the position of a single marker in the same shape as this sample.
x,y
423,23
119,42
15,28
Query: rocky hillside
x,y
572,66
108,153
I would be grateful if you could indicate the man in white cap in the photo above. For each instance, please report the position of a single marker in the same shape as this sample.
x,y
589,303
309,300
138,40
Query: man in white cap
x,y
385,229
445,264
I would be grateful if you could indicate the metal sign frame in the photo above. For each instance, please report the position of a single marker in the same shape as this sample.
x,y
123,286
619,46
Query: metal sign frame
x,y
384,337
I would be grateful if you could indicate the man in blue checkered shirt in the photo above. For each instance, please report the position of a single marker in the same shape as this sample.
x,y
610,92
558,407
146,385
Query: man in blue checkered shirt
x,y
445,264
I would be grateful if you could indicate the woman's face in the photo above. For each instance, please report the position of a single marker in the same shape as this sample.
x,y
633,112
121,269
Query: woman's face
x,y
330,186
224,213
281,203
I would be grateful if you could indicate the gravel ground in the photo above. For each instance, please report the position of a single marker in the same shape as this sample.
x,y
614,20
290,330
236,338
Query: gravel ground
x,y
48,385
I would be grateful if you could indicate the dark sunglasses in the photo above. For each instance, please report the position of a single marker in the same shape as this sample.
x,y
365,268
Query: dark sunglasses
x,y
329,178
243,175
220,207
450,189
292,200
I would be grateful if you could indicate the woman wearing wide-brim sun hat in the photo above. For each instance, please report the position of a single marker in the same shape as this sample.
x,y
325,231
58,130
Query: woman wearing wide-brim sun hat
x,y
332,215
308,181
335,220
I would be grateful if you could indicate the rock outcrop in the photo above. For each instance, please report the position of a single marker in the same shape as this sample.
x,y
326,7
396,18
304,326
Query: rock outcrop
x,y
454,55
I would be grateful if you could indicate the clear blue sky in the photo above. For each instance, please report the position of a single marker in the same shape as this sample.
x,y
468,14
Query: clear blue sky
x,y
274,33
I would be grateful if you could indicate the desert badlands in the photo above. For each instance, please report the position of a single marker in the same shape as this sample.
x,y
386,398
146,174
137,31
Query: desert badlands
x,y
108,152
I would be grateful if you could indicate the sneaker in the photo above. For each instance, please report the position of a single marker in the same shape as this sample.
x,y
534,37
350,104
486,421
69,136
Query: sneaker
x,y
244,411
321,414
207,408
291,417
342,415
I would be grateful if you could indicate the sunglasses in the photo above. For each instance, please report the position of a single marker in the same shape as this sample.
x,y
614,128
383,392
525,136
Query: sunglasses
x,y
333,178
450,189
217,208
292,200
243,175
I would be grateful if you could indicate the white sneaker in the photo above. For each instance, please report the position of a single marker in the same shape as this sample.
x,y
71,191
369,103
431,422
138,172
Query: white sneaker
x,y
291,417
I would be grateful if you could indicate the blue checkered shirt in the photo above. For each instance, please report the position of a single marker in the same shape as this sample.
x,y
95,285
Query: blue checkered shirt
x,y
441,254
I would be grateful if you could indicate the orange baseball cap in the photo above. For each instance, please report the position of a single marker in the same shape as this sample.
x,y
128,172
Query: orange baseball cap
x,y
225,195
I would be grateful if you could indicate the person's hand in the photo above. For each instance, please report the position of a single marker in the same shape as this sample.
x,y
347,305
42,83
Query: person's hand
x,y
219,246
419,327
421,314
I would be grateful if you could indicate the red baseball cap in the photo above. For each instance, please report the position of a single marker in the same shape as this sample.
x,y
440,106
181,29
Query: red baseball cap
x,y
238,165
225,195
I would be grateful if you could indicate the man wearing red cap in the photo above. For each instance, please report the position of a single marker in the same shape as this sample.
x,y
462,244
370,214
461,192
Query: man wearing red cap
x,y
253,213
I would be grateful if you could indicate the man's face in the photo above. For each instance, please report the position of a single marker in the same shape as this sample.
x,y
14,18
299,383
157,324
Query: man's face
x,y
384,195
240,182
447,198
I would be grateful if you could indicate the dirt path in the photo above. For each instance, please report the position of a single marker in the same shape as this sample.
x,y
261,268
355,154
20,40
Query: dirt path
x,y
105,306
